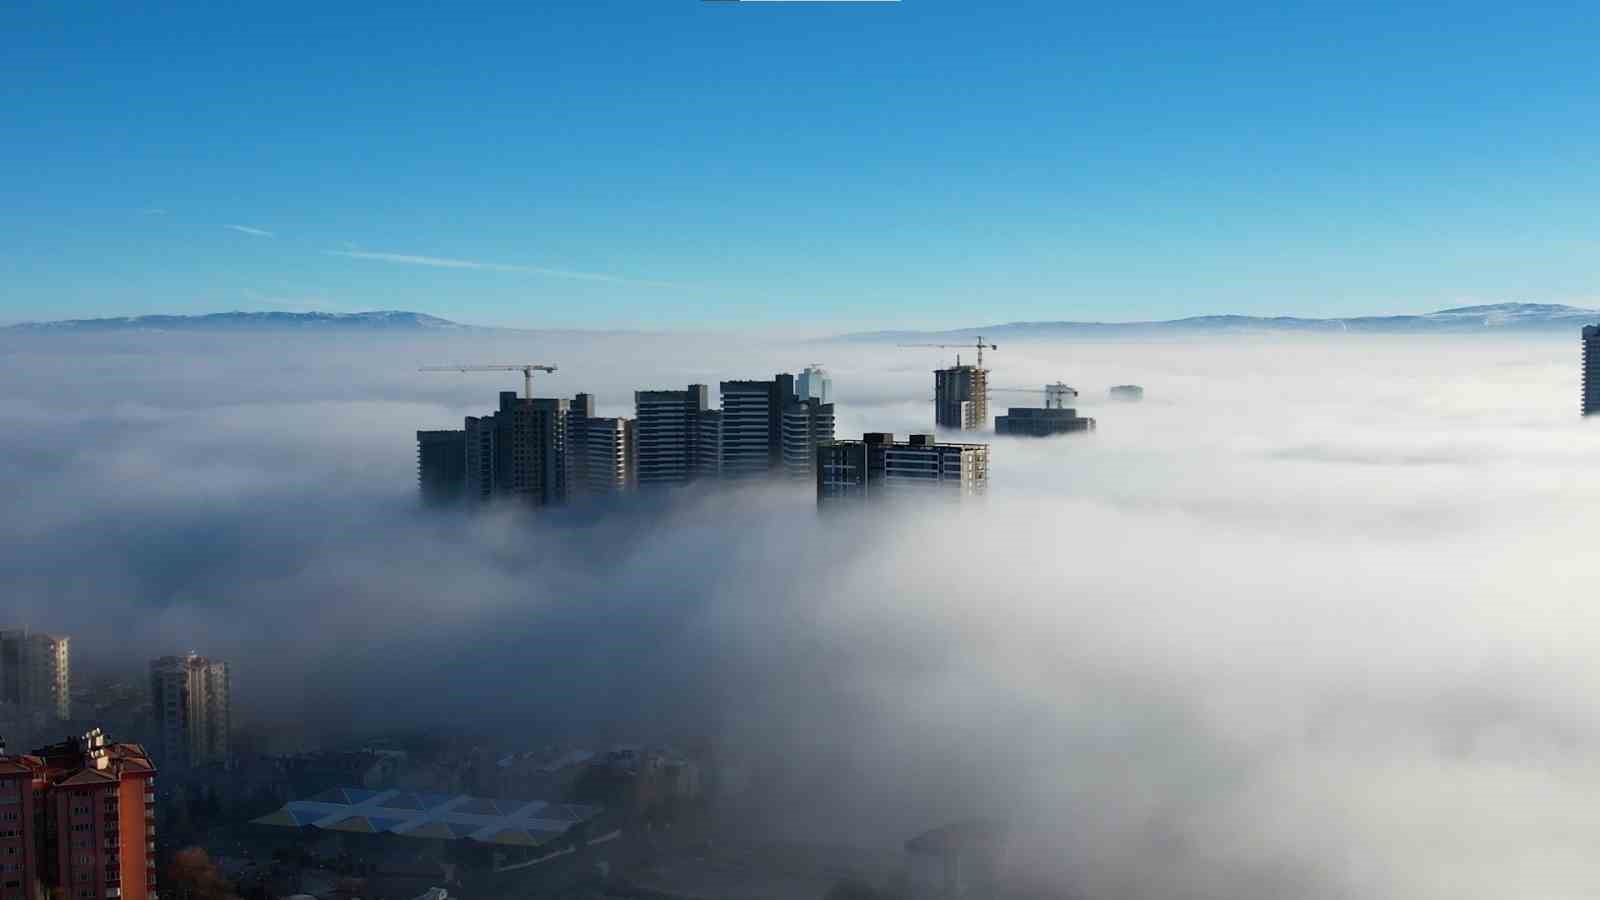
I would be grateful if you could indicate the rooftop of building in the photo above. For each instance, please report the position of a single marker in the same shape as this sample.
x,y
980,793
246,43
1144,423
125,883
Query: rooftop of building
x,y
87,759
885,438
1040,412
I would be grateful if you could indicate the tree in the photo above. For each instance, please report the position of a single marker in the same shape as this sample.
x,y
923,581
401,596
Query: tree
x,y
193,876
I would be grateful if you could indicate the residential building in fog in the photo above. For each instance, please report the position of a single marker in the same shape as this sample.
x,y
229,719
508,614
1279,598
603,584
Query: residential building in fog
x,y
667,426
191,699
517,452
481,453
536,431
814,384
807,424
706,462
1590,398
1035,422
961,398
441,466
36,673
77,822
600,451
878,468
752,425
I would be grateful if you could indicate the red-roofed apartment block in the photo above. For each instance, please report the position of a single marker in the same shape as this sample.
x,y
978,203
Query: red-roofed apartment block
x,y
77,821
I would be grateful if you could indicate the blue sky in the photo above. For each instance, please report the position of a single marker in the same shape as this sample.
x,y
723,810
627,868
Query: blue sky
x,y
676,163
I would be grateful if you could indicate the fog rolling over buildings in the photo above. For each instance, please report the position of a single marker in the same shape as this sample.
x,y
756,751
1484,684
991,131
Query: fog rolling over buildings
x,y
1312,620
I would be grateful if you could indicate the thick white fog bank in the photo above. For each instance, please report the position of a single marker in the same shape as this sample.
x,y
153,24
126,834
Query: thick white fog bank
x,y
1313,620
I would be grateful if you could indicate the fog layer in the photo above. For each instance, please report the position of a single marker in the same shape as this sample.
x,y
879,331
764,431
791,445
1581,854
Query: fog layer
x,y
1313,620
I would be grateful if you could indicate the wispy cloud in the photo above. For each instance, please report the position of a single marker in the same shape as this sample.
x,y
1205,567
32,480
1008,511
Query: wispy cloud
x,y
246,229
152,211
439,262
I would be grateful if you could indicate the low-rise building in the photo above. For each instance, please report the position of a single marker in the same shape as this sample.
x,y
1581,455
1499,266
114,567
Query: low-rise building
x,y
878,467
1035,422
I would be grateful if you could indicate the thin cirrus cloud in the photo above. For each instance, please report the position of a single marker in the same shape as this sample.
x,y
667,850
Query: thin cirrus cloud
x,y
438,262
246,229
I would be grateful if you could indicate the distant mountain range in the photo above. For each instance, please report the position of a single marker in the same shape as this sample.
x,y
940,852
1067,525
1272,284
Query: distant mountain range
x,y
1495,318
377,320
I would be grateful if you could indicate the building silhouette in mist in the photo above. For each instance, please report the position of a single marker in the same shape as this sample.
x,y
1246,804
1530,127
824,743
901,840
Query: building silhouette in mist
x,y
545,451
600,451
191,701
752,425
1590,398
442,466
807,425
668,426
36,673
1036,422
878,468
78,822
535,451
961,398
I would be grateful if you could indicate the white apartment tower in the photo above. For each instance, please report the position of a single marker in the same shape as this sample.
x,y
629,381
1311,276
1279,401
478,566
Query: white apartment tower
x,y
807,423
814,384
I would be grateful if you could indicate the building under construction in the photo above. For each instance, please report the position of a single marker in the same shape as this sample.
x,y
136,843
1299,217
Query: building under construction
x,y
961,393
961,398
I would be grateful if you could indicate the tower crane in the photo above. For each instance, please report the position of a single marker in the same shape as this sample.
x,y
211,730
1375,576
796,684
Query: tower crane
x,y
526,370
1055,395
981,347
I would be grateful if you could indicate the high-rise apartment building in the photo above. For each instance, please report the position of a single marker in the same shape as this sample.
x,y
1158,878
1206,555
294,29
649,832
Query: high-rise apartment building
x,y
441,466
877,468
961,398
191,699
667,427
814,384
517,452
1590,398
533,433
600,451
752,425
77,822
36,673
479,486
807,424
707,460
